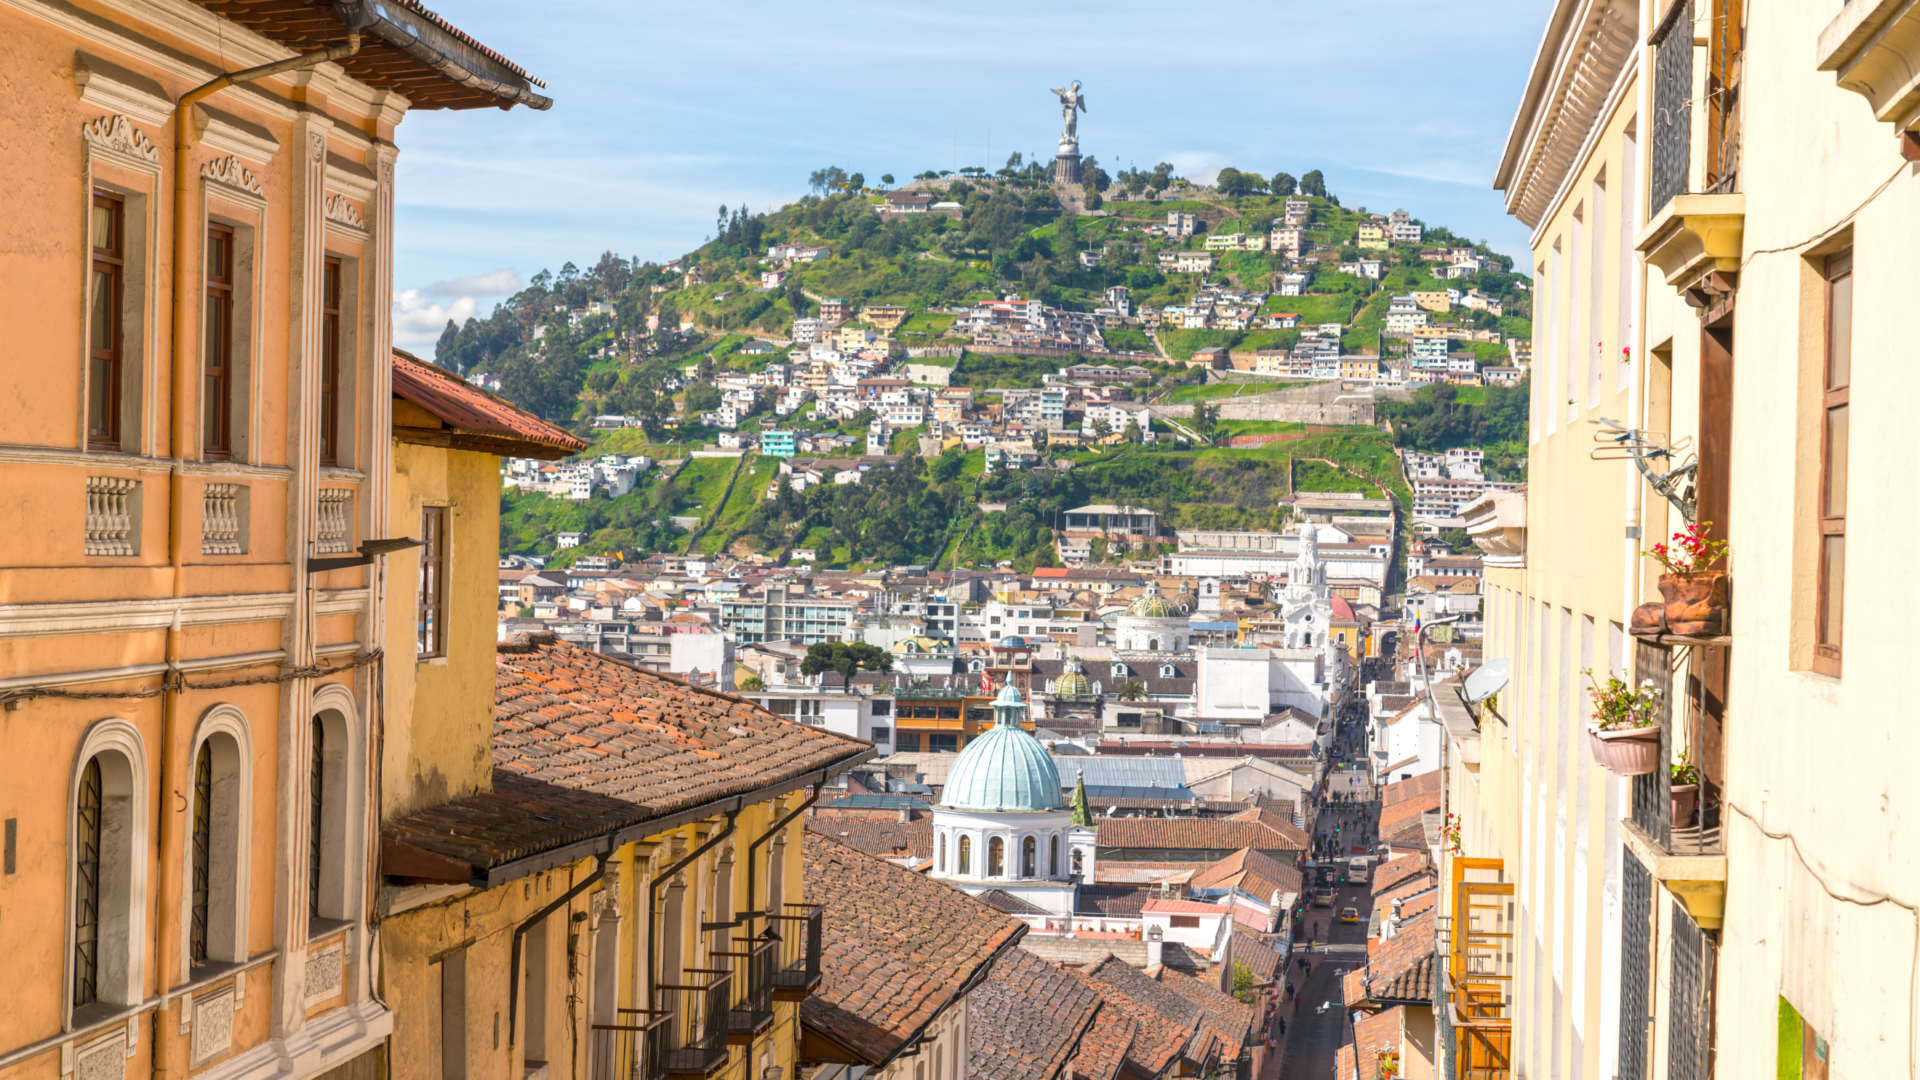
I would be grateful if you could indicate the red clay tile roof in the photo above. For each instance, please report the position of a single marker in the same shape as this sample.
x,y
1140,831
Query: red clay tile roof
x,y
1113,899
1104,1049
1002,900
1401,967
899,948
1027,1019
1168,1022
1262,959
1398,869
1230,1020
478,420
1380,1031
584,745
887,838
1195,834
1257,875
1403,801
1276,814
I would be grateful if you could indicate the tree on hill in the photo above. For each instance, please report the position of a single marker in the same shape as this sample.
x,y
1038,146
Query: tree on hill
x,y
1314,184
1282,185
887,179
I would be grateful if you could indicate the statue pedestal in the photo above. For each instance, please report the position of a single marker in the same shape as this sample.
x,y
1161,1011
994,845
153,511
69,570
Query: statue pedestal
x,y
1066,164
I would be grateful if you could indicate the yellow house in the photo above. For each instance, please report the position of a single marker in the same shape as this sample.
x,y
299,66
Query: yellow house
x,y
885,316
586,869
197,238
1434,300
1371,235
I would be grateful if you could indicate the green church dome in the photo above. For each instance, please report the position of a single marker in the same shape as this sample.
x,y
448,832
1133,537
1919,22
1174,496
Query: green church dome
x,y
1004,768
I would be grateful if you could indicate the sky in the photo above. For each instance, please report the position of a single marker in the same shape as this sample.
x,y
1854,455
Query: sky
x,y
663,113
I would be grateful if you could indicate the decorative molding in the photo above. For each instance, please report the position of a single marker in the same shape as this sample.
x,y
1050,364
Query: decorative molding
x,y
230,172
106,85
116,136
102,1059
223,131
131,616
350,177
212,1027
325,973
316,146
339,210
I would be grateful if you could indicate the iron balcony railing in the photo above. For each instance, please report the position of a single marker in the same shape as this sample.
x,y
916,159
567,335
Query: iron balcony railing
x,y
1653,809
698,1010
797,966
1672,43
635,1048
751,1010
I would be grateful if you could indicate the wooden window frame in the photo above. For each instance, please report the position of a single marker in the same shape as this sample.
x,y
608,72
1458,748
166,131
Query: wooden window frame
x,y
89,888
1827,646
105,375
431,638
216,410
330,287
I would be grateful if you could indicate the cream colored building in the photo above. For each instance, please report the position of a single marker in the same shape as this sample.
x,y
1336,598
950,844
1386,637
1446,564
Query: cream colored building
x,y
1688,189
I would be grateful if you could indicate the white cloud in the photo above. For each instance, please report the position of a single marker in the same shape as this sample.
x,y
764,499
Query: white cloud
x,y
502,282
417,324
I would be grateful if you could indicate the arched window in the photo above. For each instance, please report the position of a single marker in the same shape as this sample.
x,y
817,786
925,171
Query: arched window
x,y
1309,638
996,857
1119,671
108,839
215,885
1153,644
943,853
1076,860
1029,857
966,855
1053,857
330,784
1167,671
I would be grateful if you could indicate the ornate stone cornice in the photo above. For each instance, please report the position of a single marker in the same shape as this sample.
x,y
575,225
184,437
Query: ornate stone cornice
x,y
230,172
117,135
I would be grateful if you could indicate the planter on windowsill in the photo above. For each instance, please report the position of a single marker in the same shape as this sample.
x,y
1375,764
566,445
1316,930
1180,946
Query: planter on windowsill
x,y
1683,799
1693,605
1626,751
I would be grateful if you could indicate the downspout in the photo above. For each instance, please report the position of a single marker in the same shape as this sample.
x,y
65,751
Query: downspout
x,y
180,440
531,921
653,887
1639,380
773,830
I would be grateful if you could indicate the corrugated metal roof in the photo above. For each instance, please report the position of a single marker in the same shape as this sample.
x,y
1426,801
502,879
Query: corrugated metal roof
x,y
878,802
471,411
1144,772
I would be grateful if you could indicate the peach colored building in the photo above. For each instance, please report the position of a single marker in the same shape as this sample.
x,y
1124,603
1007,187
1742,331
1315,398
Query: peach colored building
x,y
197,285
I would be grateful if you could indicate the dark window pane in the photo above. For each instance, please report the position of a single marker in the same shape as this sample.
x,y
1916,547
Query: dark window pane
x,y
102,320
1833,559
1840,333
86,893
1837,461
316,815
202,855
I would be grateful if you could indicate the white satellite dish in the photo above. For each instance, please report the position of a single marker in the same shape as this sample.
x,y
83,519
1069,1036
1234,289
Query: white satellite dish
x,y
1487,680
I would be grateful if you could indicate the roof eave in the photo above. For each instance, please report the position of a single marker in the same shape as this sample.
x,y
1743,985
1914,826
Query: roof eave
x,y
1545,59
421,38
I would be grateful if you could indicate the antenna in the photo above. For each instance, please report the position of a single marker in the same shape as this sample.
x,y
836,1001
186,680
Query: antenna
x,y
1647,449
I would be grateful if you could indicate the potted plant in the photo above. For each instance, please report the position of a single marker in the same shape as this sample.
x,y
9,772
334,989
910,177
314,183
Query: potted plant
x,y
1685,788
1623,735
1694,598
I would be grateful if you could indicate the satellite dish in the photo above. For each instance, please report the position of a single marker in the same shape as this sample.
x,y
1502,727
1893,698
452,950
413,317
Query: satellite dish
x,y
1488,679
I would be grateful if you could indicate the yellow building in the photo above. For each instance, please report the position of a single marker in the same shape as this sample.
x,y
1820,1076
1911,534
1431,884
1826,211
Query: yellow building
x,y
1371,235
885,316
198,242
1435,300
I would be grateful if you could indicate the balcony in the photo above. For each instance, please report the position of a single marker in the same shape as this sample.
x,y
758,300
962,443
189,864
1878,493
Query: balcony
x,y
1474,988
797,967
1684,851
1497,524
696,1012
1696,242
633,1049
750,962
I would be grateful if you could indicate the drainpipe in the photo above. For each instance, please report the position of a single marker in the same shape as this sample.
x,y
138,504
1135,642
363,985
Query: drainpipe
x,y
1639,380
531,921
181,439
773,831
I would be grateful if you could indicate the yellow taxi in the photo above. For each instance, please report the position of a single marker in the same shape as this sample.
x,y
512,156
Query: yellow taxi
x,y
1351,915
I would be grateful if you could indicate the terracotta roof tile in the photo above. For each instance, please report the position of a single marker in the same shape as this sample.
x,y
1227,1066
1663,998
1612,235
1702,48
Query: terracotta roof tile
x,y
1197,834
1380,1031
584,744
1262,959
888,838
1027,1019
1105,1047
1168,1022
1395,870
1230,1021
1257,875
473,412
899,947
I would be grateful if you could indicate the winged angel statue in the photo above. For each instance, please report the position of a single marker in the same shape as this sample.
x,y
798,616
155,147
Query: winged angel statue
x,y
1072,103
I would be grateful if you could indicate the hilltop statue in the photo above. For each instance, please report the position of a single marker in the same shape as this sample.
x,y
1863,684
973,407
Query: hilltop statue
x,y
1072,103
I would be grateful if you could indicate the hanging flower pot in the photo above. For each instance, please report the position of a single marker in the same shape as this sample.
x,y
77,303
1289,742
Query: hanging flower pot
x,y
1683,799
1627,751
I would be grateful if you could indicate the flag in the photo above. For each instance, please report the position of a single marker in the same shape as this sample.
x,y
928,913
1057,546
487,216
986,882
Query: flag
x,y
986,682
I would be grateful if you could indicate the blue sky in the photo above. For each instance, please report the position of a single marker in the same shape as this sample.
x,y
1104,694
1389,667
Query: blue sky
x,y
662,113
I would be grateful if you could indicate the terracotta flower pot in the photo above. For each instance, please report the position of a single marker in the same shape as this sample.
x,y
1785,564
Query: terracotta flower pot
x,y
1627,751
1683,799
1696,603
1650,619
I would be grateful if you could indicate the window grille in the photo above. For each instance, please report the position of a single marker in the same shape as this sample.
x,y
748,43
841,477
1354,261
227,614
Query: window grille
x,y
1636,966
1690,1032
111,502
316,815
220,520
1652,801
1672,105
86,893
333,531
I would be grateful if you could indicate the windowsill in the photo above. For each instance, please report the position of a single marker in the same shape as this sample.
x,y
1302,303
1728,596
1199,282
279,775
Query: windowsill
x,y
536,1070
431,661
214,972
321,928
235,468
341,473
